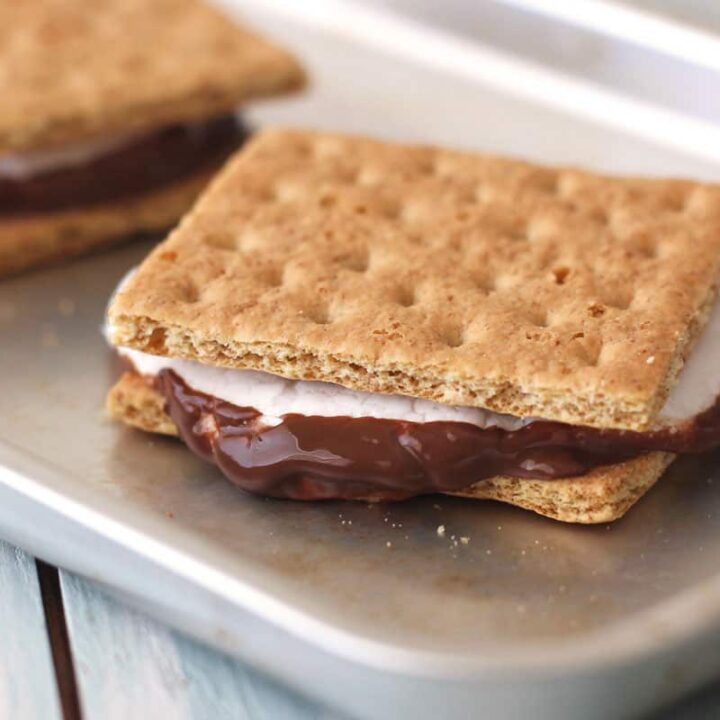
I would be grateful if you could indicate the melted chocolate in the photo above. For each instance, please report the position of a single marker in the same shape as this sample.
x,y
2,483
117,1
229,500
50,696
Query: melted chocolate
x,y
313,458
148,163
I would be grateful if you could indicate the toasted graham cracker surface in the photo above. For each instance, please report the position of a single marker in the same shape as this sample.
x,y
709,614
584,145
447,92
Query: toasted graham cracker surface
x,y
462,278
32,241
602,495
133,401
71,68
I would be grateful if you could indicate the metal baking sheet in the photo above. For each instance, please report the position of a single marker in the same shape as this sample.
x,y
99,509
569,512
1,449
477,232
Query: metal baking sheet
x,y
686,30
367,608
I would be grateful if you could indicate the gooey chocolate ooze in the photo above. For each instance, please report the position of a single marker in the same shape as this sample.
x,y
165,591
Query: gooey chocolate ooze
x,y
312,457
145,163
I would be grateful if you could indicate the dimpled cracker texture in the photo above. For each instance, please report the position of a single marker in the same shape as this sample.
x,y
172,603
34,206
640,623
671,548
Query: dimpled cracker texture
x,y
602,495
462,278
70,69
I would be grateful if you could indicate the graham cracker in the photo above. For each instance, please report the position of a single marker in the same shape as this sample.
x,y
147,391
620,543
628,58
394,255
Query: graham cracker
x,y
35,240
602,495
70,69
462,278
133,401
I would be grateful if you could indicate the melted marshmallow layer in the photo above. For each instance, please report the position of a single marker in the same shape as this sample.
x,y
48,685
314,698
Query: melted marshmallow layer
x,y
274,396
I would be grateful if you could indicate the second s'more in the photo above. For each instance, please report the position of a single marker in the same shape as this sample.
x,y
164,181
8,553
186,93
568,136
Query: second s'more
x,y
340,317
115,114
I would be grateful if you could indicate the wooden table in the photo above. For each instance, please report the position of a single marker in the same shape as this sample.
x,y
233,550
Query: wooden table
x,y
69,651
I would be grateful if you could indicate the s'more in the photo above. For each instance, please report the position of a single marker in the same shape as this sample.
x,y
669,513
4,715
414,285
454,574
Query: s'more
x,y
340,317
115,114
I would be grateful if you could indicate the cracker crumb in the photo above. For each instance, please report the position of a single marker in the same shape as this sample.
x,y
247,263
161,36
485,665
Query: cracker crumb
x,y
440,530
49,338
66,307
650,360
464,540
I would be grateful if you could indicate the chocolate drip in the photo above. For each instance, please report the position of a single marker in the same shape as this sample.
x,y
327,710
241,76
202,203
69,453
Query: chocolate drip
x,y
148,163
312,458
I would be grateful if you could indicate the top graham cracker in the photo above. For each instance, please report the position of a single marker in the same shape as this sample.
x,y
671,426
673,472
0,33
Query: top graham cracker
x,y
462,278
71,69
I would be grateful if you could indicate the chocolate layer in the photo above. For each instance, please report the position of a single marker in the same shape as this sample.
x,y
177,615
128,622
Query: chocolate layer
x,y
148,163
312,458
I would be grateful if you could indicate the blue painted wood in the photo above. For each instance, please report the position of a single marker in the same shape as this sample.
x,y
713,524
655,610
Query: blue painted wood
x,y
130,666
28,690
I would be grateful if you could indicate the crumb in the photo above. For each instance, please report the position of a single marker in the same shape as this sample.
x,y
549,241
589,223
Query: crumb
x,y
437,507
650,360
170,514
464,540
488,552
49,338
388,544
440,530
66,307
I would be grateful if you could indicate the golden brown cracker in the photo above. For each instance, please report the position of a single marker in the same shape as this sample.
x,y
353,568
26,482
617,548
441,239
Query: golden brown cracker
x,y
602,495
70,69
462,278
133,401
